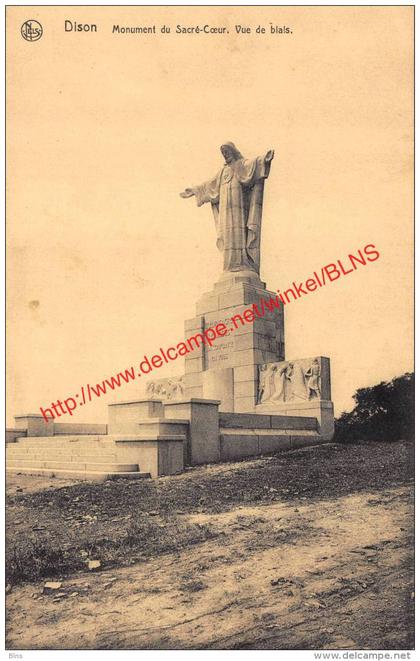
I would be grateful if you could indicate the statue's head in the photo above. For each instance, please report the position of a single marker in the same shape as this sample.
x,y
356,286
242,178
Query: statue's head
x,y
230,153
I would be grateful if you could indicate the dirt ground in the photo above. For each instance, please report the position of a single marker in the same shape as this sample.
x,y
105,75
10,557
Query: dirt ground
x,y
298,567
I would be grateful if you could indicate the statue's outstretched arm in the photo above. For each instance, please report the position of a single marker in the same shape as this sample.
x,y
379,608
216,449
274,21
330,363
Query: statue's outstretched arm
x,y
269,156
206,192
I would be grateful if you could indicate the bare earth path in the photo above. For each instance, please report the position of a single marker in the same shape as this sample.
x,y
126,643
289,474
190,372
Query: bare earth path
x,y
305,573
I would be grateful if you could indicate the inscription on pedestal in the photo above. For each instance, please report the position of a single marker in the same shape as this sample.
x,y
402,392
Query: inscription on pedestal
x,y
220,354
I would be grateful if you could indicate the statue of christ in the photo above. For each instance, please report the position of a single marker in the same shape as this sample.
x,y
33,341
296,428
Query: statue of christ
x,y
236,196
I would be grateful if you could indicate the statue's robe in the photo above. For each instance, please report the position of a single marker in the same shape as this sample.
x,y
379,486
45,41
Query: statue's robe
x,y
279,382
236,196
295,384
267,385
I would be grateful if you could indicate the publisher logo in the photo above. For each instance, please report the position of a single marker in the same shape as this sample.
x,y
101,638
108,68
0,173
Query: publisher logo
x,y
31,30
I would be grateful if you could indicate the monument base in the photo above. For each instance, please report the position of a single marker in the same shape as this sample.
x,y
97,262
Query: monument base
x,y
228,369
322,410
150,438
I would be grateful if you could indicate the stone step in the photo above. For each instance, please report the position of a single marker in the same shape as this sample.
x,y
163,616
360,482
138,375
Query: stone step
x,y
48,452
36,441
60,442
73,465
50,437
132,438
92,476
68,447
76,452
61,456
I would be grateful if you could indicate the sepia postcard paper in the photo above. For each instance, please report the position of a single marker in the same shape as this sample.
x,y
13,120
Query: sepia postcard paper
x,y
209,232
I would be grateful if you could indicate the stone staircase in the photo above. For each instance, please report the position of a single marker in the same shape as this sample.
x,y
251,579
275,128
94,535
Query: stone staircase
x,y
79,457
150,438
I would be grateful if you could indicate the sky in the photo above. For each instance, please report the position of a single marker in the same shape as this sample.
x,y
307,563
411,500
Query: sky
x,y
106,260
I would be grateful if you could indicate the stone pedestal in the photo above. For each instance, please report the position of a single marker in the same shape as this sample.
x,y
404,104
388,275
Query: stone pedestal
x,y
228,369
202,445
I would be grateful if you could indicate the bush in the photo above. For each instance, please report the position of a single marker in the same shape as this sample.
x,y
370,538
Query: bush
x,y
384,412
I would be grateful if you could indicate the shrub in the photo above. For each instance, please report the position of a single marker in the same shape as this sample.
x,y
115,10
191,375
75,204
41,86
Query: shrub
x,y
384,412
